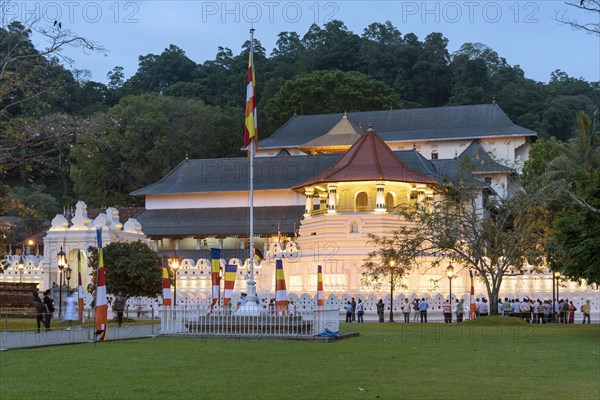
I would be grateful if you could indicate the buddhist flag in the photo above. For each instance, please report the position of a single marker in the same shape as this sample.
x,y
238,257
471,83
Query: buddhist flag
x,y
320,296
281,302
101,325
473,308
230,271
80,294
215,255
250,133
166,285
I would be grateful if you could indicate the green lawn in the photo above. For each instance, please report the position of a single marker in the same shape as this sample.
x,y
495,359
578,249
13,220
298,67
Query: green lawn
x,y
491,360
29,324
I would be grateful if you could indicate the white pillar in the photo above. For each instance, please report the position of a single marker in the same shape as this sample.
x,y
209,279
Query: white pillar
x,y
309,202
380,198
332,199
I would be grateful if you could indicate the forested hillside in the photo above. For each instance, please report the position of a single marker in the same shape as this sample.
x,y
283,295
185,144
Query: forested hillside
x,y
64,137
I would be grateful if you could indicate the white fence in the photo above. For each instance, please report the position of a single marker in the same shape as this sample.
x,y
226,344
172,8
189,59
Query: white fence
x,y
201,322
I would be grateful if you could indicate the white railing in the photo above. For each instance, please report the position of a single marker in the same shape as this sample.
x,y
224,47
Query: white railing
x,y
201,322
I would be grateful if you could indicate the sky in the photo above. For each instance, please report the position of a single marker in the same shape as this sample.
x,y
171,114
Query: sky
x,y
523,32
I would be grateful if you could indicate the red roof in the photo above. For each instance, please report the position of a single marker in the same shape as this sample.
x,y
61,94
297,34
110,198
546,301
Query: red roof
x,y
369,159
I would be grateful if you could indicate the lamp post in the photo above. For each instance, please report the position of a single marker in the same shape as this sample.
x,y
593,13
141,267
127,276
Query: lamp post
x,y
61,262
392,263
68,272
21,267
556,279
450,275
174,264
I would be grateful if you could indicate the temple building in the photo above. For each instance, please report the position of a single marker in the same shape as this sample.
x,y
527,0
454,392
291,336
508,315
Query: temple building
x,y
322,183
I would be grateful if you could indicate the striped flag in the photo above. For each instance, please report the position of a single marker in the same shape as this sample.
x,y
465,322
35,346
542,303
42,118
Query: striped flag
x,y
166,284
215,255
320,296
80,294
473,308
281,302
250,132
101,325
230,271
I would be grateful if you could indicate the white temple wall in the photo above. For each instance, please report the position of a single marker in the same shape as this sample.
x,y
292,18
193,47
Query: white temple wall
x,y
262,198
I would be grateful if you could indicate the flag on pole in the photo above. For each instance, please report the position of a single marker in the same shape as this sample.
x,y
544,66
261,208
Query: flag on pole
x,y
215,255
250,132
166,284
281,302
320,296
473,307
230,271
80,294
101,325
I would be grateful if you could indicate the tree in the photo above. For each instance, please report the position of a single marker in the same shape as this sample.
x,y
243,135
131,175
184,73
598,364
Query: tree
x,y
328,92
141,139
571,182
132,268
28,74
471,228
590,7
34,206
391,261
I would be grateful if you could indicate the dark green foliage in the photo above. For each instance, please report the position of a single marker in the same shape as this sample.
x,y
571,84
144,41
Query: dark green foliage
x,y
325,92
132,268
142,138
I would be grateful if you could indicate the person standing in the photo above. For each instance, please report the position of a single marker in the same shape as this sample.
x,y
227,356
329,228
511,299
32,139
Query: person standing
x,y
348,312
506,307
516,309
380,309
484,308
39,309
71,310
291,308
572,310
447,310
353,309
423,306
48,309
110,315
360,310
156,309
416,310
460,309
406,307
585,309
540,308
119,307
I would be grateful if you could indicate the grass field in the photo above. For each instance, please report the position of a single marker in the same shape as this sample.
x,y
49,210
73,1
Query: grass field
x,y
486,359
29,324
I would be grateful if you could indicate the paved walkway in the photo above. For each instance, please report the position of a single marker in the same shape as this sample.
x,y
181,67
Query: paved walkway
x,y
20,340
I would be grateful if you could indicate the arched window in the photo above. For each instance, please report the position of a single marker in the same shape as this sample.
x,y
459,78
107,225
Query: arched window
x,y
389,202
362,202
354,227
434,154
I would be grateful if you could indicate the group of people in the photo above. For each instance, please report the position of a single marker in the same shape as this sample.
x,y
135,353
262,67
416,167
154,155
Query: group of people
x,y
44,308
353,309
273,310
540,312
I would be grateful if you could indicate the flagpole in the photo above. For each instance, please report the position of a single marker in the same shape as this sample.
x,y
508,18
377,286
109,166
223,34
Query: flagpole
x,y
251,306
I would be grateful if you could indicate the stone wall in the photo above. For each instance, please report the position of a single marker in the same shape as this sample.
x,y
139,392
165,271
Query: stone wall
x,y
17,297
